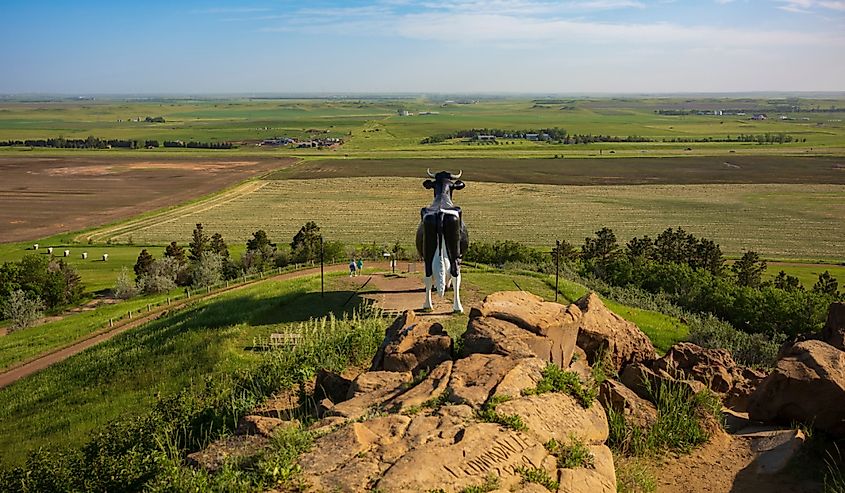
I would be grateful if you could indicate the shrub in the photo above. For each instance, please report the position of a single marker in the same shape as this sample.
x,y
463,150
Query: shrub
x,y
22,310
208,270
557,380
575,454
488,414
160,277
124,287
538,476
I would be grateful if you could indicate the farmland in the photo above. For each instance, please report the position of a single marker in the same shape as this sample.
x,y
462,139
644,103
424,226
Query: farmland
x,y
44,196
777,220
373,128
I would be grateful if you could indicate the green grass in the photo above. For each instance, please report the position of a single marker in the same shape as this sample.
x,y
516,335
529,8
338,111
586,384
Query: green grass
x,y
571,455
538,476
684,421
124,375
28,343
488,414
808,274
556,379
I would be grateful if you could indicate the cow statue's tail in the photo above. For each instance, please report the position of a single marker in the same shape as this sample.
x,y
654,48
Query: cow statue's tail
x,y
440,266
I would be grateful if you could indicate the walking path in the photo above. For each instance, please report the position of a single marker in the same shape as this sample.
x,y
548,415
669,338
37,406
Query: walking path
x,y
39,363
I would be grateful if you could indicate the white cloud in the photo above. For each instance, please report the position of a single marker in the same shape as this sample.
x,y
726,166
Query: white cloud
x,y
809,6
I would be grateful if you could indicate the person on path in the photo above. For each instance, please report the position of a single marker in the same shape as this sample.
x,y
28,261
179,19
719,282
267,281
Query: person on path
x,y
351,267
360,265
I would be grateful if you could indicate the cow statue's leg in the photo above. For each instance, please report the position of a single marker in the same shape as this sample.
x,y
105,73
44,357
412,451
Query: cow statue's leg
x,y
452,237
429,247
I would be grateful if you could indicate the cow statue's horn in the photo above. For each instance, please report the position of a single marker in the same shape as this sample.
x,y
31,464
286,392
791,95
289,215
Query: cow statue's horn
x,y
428,170
455,177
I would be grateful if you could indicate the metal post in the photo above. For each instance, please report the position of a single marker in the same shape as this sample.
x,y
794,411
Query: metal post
x,y
557,266
322,279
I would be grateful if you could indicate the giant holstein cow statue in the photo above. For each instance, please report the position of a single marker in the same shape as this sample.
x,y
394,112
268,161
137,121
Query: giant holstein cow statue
x,y
442,238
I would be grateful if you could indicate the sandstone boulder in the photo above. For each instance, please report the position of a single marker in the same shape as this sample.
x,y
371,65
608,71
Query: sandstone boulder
x,y
520,324
715,368
413,345
559,416
737,398
370,390
808,385
474,378
431,387
602,332
525,374
479,450
341,461
635,409
834,330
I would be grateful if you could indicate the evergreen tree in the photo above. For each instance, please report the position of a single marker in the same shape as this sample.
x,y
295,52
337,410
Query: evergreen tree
x,y
640,249
749,269
175,252
259,241
142,265
218,246
306,244
199,244
787,282
826,284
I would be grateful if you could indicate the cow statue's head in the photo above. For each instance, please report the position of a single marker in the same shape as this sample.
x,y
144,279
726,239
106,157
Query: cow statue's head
x,y
443,184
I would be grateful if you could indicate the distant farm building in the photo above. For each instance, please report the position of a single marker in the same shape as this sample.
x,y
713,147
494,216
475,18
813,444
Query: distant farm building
x,y
404,113
487,138
760,116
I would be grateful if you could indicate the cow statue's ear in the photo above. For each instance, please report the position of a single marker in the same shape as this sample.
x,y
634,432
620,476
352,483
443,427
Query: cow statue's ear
x,y
458,185
429,184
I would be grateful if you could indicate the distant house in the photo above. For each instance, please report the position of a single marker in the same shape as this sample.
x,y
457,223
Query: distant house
x,y
760,116
485,137
404,113
532,136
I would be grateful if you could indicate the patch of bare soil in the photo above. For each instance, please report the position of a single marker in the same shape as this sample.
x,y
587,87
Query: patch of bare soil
x,y
726,464
44,196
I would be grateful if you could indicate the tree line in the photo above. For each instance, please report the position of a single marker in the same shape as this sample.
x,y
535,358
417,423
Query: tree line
x,y
206,260
691,272
561,136
92,142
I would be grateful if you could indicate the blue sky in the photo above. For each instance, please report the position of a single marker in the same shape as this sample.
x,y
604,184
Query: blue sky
x,y
523,46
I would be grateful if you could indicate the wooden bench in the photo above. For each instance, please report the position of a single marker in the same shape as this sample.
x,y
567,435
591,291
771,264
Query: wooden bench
x,y
288,340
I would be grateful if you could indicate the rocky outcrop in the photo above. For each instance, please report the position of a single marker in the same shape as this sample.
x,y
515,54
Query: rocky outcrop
x,y
603,333
834,330
395,432
808,385
519,325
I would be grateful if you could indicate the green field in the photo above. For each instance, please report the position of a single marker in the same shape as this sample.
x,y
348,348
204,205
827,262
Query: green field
x,y
372,127
780,221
